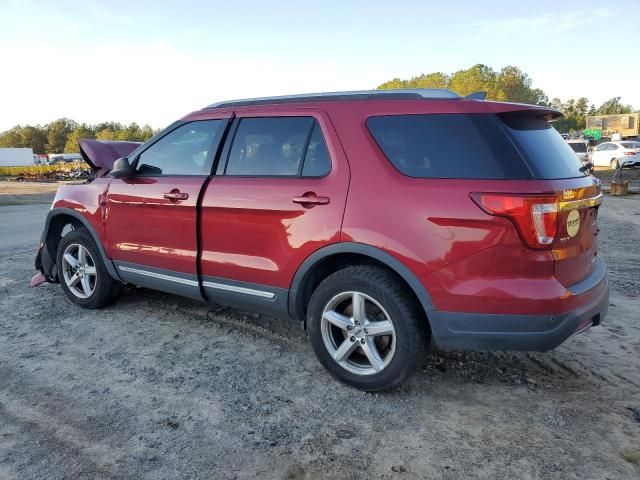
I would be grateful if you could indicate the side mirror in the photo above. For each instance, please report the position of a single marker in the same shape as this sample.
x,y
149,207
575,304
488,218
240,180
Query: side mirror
x,y
121,168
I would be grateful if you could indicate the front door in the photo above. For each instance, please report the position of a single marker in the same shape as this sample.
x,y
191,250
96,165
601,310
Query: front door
x,y
151,217
278,196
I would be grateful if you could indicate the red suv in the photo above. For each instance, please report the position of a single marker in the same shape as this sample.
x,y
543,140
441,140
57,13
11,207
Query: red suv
x,y
380,220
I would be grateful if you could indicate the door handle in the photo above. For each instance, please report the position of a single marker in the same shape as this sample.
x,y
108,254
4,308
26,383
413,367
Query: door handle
x,y
176,195
309,199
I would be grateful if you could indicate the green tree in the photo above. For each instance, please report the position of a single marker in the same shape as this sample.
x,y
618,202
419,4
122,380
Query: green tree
x,y
475,79
106,134
147,132
34,137
57,132
63,135
10,138
430,80
613,105
393,84
80,132
582,106
510,84
515,85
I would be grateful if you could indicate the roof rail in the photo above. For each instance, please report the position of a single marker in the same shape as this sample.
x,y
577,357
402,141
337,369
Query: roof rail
x,y
393,94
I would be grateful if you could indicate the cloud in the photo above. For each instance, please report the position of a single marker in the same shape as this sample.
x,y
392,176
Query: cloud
x,y
545,24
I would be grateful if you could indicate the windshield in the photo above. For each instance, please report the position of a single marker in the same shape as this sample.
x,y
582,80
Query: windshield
x,y
547,153
578,147
631,144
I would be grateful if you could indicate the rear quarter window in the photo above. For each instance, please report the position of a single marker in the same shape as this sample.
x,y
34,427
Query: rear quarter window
x,y
447,146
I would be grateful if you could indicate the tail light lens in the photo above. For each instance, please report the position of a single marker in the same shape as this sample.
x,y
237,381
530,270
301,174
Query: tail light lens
x,y
534,216
629,153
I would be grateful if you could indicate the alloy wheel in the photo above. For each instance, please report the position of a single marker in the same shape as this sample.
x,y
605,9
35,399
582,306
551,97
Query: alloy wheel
x,y
79,271
358,333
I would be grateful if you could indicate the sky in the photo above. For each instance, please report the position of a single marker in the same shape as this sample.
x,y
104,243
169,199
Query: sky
x,y
155,61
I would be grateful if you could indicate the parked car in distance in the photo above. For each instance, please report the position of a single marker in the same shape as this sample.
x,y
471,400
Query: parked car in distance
x,y
64,158
624,153
379,220
580,147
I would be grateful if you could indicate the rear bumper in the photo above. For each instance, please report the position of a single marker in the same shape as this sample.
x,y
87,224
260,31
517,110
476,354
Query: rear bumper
x,y
480,331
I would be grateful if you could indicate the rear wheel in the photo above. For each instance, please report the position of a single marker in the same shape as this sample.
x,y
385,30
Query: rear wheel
x,y
364,328
614,164
82,273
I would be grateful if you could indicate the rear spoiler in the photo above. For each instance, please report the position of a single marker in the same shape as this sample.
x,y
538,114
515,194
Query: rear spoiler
x,y
538,111
100,154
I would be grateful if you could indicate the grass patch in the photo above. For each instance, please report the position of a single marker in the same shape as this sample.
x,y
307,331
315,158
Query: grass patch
x,y
42,171
631,455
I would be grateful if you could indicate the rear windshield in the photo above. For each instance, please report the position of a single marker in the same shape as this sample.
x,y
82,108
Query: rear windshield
x,y
578,147
475,146
630,144
544,149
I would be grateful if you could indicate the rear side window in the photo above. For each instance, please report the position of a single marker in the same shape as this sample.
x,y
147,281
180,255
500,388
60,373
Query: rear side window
x,y
448,146
278,146
547,153
578,147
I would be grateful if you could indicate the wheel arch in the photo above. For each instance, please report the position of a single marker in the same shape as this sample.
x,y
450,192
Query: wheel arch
x,y
57,220
329,259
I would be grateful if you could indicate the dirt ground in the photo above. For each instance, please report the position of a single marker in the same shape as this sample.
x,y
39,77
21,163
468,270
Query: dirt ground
x,y
157,386
26,193
631,175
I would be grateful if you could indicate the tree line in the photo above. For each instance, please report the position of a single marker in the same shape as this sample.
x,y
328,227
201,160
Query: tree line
x,y
511,84
62,135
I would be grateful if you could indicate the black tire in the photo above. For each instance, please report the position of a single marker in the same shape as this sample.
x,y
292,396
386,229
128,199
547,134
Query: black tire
x,y
614,164
106,289
408,319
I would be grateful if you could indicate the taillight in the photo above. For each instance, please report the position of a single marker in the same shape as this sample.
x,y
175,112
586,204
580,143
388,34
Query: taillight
x,y
535,216
629,153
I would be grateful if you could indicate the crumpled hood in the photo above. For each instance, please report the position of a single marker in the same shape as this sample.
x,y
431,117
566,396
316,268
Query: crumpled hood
x,y
100,154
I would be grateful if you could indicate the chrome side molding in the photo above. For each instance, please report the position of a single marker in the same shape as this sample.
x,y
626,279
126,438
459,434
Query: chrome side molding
x,y
233,288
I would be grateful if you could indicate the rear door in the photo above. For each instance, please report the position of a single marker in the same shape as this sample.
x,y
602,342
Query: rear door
x,y
278,195
151,217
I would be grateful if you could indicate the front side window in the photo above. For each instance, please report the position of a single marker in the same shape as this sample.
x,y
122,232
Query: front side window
x,y
184,151
278,146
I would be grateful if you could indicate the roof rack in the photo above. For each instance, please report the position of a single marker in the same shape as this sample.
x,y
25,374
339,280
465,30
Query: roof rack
x,y
394,94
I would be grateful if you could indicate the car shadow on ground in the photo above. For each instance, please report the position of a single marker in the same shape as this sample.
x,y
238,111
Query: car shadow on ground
x,y
535,370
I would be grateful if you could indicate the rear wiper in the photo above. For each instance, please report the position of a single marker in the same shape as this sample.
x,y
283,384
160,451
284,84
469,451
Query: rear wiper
x,y
586,167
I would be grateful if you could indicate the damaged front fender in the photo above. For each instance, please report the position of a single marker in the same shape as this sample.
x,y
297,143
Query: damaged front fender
x,y
46,258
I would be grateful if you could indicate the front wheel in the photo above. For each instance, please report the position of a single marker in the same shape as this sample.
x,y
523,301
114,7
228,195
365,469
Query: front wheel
x,y
364,327
82,273
614,164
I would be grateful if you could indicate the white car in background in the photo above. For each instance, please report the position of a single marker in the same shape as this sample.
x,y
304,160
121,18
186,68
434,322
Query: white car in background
x,y
624,153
